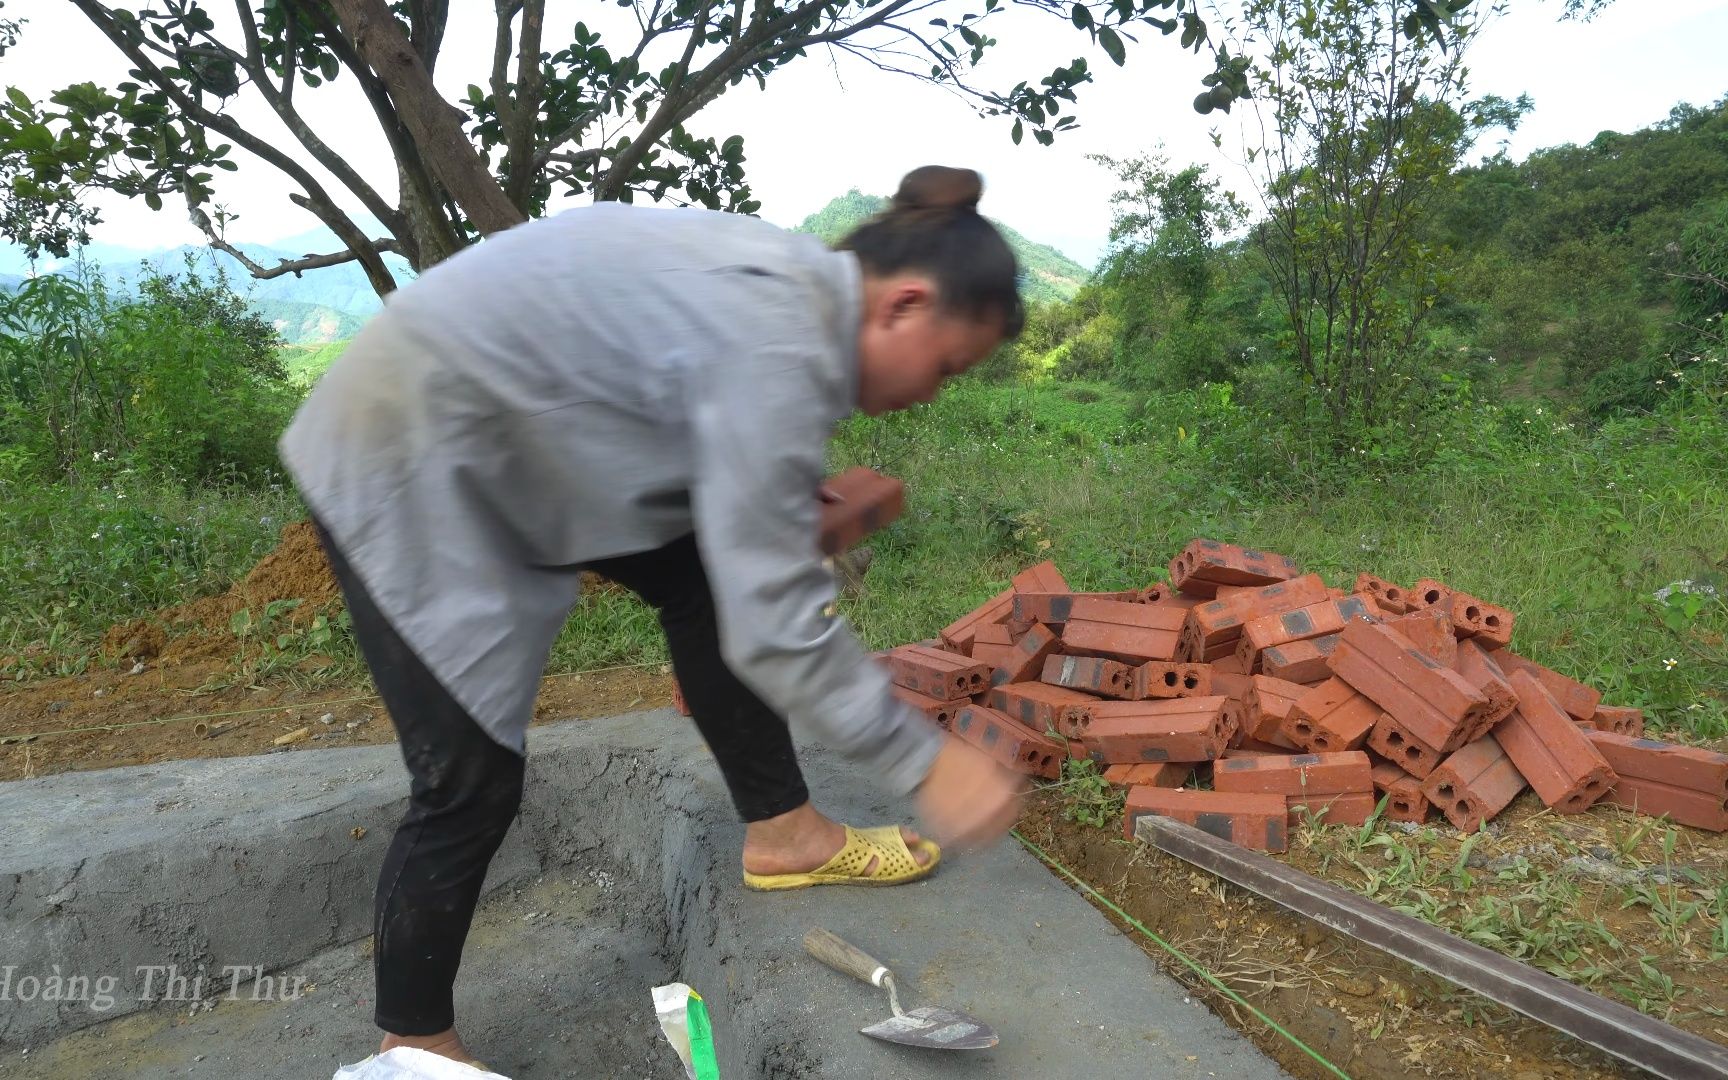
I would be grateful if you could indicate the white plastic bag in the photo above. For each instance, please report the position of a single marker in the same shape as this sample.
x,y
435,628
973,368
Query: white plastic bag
x,y
407,1063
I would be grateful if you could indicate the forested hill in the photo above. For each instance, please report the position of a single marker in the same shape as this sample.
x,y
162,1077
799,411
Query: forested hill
x,y
1049,275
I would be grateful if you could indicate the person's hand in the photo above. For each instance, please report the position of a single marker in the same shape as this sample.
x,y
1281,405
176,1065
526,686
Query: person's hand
x,y
968,800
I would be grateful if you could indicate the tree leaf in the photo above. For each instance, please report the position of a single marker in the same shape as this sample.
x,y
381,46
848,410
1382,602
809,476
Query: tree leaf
x,y
1018,132
1082,17
1112,45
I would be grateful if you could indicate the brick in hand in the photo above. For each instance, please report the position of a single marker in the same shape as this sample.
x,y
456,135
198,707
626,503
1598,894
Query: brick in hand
x,y
855,504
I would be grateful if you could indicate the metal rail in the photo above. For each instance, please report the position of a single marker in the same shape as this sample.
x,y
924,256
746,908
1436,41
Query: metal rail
x,y
1616,1029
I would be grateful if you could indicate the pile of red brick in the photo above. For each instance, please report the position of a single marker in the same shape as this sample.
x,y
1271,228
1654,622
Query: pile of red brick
x,y
1245,694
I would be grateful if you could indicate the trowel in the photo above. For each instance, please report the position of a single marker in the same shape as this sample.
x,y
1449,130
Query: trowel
x,y
931,1026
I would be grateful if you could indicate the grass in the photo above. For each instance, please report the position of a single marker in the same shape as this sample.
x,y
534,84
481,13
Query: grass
x,y
1573,531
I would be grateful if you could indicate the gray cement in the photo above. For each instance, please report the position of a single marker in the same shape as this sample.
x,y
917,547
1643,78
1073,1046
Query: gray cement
x,y
620,874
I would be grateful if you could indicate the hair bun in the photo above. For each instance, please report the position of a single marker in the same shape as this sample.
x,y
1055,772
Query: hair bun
x,y
938,187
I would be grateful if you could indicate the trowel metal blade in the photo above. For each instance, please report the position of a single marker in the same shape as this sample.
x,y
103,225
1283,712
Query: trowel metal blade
x,y
935,1028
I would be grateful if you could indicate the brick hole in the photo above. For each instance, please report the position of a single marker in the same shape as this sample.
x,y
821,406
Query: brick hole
x,y
944,717
1045,762
959,682
1432,596
978,682
1402,806
1304,728
1413,753
1169,678
1393,592
1393,738
1492,620
1472,613
1464,809
1445,791
1032,756
1190,682
1322,742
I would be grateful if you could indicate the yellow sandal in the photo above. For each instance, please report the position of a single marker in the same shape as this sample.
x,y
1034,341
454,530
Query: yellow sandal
x,y
894,863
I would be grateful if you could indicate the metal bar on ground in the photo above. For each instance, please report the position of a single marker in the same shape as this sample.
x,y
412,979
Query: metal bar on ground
x,y
1608,1026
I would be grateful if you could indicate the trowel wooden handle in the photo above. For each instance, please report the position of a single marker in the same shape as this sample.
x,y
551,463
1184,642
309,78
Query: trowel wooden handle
x,y
845,958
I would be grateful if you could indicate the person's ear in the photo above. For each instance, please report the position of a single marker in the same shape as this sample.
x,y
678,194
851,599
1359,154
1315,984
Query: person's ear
x,y
909,298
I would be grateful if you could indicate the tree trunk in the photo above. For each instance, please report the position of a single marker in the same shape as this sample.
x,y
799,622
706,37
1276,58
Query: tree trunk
x,y
434,123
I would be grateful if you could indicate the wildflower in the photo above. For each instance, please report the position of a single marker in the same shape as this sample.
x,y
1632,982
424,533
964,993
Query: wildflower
x,y
95,536
1670,664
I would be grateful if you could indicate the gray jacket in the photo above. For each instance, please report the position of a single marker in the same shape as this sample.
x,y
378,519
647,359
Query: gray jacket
x,y
599,383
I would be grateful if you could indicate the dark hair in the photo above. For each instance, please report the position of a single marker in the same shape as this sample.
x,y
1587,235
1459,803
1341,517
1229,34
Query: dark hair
x,y
932,225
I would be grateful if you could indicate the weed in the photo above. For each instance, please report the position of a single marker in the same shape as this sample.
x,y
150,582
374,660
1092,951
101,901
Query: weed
x,y
1089,798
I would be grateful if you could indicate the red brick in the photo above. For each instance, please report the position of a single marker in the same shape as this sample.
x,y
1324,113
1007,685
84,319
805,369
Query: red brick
x,y
1204,565
1480,671
1296,774
991,656
1345,808
1010,742
1255,746
993,634
1475,784
1188,653
1315,620
1433,705
1041,578
1564,769
1231,685
1267,704
1052,608
1164,596
1040,706
1163,679
1431,593
1620,719
1432,631
1669,763
1394,741
855,504
1260,751
939,674
1227,665
1579,701
1251,821
1306,662
1331,717
678,701
1130,732
1094,675
1156,592
1025,660
1131,633
1699,809
1219,622
1490,625
939,711
1165,774
1393,599
1405,800
961,633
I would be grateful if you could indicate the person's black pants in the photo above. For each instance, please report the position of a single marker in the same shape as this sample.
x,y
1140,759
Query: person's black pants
x,y
465,788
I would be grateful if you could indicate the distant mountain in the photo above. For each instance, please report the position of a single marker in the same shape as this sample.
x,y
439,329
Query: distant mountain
x,y
1049,275
318,306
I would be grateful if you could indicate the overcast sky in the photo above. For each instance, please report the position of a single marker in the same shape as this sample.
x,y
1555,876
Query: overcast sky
x,y
821,127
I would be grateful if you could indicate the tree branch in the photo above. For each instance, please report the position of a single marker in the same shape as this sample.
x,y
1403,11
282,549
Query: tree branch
x,y
291,118
345,229
435,124
286,266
